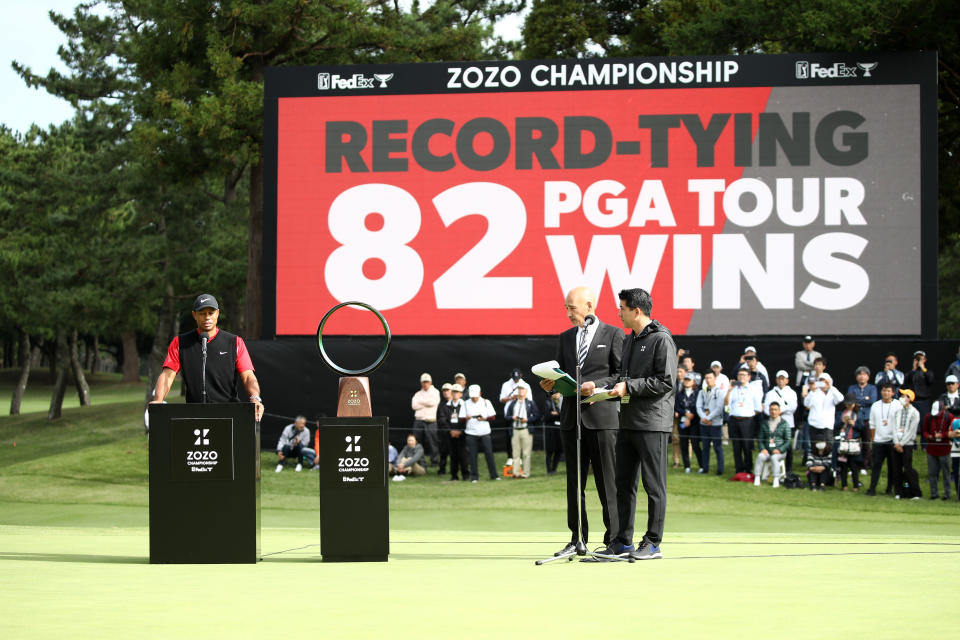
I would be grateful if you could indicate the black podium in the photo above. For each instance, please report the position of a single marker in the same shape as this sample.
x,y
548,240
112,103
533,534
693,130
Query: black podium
x,y
354,506
204,483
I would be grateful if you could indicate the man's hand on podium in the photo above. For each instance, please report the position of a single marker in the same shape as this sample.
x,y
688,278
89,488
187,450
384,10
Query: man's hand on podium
x,y
258,408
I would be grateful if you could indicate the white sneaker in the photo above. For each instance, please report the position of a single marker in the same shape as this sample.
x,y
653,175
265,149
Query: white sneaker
x,y
299,467
509,462
863,472
279,467
756,481
776,483
687,470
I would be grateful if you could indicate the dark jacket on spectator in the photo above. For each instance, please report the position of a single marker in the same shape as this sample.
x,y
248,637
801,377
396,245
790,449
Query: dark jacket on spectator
x,y
866,396
815,459
920,381
533,414
444,411
685,403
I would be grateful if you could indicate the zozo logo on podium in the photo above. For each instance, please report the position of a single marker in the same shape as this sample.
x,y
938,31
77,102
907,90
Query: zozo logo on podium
x,y
353,464
202,460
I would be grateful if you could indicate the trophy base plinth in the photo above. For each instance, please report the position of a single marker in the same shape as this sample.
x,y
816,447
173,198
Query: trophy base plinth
x,y
353,398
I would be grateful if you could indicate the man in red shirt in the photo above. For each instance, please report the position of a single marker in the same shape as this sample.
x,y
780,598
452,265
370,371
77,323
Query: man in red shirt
x,y
227,364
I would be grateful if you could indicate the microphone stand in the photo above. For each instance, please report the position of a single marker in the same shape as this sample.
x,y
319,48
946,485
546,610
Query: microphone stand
x,y
580,549
203,367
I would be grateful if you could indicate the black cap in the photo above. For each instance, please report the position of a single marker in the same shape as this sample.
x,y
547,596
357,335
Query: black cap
x,y
516,374
808,338
205,300
850,399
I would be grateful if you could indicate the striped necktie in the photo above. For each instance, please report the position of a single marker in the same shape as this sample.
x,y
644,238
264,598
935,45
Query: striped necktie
x,y
582,349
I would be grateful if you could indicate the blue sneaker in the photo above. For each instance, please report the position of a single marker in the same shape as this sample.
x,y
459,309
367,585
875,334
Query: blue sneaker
x,y
617,550
647,551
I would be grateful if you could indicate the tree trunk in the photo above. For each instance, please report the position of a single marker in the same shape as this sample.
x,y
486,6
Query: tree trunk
x,y
53,350
83,389
36,357
161,338
88,357
131,359
25,362
59,349
95,355
253,309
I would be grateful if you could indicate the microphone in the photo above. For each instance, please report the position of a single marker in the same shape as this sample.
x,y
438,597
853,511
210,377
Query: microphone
x,y
204,336
589,320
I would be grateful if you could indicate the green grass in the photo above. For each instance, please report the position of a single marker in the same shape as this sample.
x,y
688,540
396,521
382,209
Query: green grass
x,y
105,388
74,556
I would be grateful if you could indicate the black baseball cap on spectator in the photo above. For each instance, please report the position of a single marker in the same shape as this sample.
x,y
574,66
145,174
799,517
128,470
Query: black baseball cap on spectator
x,y
516,374
850,399
808,338
205,300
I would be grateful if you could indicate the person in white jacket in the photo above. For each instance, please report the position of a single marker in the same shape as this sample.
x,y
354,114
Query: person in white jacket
x,y
786,397
821,402
783,395
884,415
904,442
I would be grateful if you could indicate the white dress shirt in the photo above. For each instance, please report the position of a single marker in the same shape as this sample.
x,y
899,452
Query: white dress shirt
x,y
745,401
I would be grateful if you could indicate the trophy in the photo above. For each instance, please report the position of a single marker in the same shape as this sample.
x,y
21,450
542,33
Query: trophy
x,y
353,396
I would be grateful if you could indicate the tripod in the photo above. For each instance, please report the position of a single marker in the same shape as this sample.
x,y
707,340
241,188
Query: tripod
x,y
580,548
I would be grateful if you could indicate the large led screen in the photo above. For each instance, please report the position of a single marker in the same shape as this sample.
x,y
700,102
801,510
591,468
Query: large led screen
x,y
749,194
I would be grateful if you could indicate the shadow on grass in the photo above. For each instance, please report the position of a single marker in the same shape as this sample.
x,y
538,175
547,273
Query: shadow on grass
x,y
74,557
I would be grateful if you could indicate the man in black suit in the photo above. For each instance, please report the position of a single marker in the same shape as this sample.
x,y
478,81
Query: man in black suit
x,y
598,347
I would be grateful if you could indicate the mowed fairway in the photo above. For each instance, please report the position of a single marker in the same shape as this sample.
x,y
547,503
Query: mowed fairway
x,y
739,561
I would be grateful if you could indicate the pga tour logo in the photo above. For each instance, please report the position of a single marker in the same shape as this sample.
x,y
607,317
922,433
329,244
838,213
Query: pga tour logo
x,y
327,81
805,70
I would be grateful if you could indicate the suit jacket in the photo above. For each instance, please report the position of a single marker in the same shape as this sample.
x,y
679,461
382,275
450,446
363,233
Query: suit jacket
x,y
602,361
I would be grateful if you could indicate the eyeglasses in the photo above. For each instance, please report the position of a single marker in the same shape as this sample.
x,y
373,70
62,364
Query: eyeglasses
x,y
889,361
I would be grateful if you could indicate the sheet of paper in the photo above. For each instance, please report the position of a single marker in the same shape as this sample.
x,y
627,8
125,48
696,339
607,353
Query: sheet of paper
x,y
599,395
550,370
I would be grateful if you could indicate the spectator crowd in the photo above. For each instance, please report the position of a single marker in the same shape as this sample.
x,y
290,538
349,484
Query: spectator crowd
x,y
800,420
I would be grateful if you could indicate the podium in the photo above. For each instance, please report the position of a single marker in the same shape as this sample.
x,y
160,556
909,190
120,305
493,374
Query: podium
x,y
354,505
204,483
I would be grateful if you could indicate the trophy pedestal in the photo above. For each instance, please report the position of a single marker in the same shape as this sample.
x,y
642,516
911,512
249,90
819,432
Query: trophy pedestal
x,y
353,398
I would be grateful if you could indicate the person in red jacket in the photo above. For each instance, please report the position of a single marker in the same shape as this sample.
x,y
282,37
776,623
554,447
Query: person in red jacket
x,y
935,430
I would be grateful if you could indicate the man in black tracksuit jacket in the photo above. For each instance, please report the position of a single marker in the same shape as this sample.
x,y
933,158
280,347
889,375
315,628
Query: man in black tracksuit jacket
x,y
645,387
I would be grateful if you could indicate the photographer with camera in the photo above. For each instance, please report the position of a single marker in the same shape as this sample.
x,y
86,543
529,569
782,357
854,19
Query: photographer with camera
x,y
921,381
